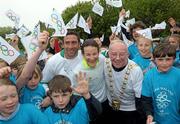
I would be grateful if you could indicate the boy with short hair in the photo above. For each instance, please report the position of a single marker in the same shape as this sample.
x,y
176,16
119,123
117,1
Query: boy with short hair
x,y
69,108
161,87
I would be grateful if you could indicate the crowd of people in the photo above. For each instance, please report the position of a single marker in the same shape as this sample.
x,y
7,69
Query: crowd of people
x,y
83,83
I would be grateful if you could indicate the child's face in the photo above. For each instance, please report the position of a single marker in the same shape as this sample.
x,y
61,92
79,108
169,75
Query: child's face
x,y
91,55
172,22
61,99
164,63
135,34
174,41
8,100
33,83
144,46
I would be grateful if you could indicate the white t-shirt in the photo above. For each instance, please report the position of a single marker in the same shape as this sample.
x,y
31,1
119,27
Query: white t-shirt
x,y
133,87
60,65
96,78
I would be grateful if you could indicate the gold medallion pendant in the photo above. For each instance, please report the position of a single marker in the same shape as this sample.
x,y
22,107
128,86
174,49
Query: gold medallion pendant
x,y
115,105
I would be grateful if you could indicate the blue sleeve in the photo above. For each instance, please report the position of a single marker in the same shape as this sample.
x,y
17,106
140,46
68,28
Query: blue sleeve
x,y
147,86
37,116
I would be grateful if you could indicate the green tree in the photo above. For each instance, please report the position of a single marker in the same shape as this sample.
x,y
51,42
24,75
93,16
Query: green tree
x,y
153,11
5,30
148,11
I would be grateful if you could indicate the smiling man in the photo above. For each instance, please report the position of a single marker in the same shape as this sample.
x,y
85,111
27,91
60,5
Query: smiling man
x,y
64,61
124,81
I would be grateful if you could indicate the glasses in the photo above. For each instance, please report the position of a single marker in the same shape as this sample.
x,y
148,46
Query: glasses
x,y
120,55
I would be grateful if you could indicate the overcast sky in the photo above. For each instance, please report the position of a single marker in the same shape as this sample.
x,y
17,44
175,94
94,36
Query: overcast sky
x,y
31,11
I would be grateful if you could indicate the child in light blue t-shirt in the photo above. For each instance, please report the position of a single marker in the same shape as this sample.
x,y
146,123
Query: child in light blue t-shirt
x,y
161,87
174,39
68,108
29,76
33,92
144,58
12,112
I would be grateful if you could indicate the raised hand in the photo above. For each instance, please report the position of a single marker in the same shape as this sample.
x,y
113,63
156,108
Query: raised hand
x,y
43,40
46,102
5,71
113,37
83,86
89,22
122,13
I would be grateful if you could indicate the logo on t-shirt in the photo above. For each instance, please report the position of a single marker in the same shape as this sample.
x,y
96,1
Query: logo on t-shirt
x,y
163,99
36,100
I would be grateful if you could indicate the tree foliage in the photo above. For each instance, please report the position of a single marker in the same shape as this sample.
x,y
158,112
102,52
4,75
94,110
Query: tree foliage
x,y
5,30
150,12
153,11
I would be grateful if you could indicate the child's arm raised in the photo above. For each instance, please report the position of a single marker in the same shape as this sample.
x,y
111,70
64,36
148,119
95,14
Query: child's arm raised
x,y
5,71
83,86
31,63
93,105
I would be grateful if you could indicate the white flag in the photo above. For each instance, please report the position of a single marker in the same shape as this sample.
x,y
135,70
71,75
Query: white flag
x,y
13,17
98,9
120,21
31,44
115,3
126,41
86,29
36,31
102,38
130,22
82,41
115,29
146,33
127,14
23,31
58,24
82,24
7,52
162,25
73,22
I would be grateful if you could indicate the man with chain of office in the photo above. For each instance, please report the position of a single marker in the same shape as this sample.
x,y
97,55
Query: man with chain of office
x,y
124,82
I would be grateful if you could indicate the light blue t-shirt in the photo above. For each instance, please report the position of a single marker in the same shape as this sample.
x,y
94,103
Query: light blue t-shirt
x,y
177,59
34,96
164,88
77,115
26,114
144,63
12,78
133,51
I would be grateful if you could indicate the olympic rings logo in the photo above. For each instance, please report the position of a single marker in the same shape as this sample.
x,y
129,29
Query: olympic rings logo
x,y
12,17
162,100
5,51
54,19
